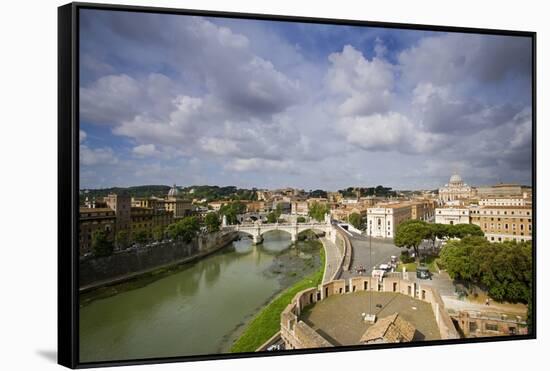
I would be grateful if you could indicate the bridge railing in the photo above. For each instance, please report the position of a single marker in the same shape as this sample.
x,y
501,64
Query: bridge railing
x,y
266,225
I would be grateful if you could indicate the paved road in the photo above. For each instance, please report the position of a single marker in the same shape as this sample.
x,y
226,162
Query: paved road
x,y
440,281
365,257
333,257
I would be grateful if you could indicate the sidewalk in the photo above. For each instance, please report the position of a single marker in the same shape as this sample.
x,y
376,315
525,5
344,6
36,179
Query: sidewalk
x,y
333,259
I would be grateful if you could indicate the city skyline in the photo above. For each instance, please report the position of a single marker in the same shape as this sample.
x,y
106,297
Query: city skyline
x,y
269,104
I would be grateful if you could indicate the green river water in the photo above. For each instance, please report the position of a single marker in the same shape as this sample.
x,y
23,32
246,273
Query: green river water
x,y
198,309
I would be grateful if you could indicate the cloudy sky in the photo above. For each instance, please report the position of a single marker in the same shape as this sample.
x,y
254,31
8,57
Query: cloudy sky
x,y
191,100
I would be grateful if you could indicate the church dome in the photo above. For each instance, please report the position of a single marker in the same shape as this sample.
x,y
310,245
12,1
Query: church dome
x,y
173,192
455,179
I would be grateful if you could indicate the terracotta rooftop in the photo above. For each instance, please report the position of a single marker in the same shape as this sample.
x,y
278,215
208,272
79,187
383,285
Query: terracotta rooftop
x,y
391,329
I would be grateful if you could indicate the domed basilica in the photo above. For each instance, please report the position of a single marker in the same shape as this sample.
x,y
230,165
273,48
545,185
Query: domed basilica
x,y
456,189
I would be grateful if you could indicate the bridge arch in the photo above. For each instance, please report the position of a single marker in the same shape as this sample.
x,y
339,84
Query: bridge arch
x,y
256,230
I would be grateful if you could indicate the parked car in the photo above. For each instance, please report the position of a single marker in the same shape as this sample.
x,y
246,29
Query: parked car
x,y
385,267
423,272
275,347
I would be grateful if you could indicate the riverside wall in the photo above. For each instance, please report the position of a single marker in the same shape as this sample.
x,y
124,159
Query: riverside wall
x,y
119,267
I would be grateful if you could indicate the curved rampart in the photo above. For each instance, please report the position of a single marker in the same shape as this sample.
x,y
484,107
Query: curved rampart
x,y
297,334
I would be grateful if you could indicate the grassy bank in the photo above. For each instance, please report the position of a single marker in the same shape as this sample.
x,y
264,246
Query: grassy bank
x,y
411,267
267,322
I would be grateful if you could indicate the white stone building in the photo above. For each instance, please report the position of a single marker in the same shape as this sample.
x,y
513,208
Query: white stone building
x,y
502,201
383,220
452,215
455,190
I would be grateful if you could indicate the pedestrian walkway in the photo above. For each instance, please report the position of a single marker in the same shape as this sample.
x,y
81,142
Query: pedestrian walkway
x,y
333,259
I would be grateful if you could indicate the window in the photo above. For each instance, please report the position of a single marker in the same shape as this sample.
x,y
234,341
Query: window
x,y
491,327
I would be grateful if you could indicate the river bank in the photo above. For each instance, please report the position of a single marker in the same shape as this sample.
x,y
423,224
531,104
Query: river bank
x,y
197,308
267,322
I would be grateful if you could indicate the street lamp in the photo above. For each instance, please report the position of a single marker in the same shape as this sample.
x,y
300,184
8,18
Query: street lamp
x,y
371,317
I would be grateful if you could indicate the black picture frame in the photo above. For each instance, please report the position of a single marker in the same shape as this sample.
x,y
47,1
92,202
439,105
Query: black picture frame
x,y
68,179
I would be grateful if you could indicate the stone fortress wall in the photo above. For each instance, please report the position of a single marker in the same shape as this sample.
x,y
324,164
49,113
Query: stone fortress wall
x,y
297,334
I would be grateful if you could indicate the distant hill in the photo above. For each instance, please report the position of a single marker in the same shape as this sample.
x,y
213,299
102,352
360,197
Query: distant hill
x,y
136,191
200,192
210,193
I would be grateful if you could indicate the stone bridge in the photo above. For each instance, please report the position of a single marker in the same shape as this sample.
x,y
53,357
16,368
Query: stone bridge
x,y
257,229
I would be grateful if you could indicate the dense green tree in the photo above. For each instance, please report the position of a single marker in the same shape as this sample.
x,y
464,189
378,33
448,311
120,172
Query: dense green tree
x,y
231,210
410,234
505,269
212,222
318,210
158,233
272,217
184,230
122,239
356,220
101,244
300,219
318,193
141,236
464,230
437,231
278,209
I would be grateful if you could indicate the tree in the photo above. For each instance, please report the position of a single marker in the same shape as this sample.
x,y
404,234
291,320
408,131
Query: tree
x,y
158,233
464,230
356,220
278,210
101,245
122,239
317,211
141,236
271,217
300,219
505,269
411,233
184,230
231,210
318,193
437,231
212,222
